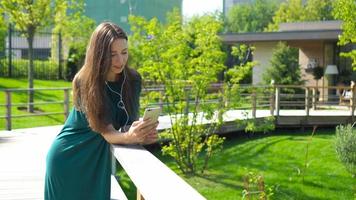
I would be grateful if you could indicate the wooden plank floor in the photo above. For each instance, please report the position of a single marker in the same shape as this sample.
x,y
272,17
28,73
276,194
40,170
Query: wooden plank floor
x,y
23,153
22,162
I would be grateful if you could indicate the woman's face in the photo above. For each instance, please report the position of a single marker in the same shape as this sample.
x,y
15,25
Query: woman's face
x,y
119,55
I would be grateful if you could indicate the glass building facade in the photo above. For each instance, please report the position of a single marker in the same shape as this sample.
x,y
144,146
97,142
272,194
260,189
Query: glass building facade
x,y
118,11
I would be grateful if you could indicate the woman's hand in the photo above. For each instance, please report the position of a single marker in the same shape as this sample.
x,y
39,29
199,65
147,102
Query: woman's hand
x,y
142,132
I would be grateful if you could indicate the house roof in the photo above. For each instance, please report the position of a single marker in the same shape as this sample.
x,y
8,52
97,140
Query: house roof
x,y
332,35
321,30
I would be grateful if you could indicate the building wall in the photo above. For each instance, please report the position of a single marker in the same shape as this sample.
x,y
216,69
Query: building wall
x,y
118,11
262,54
323,53
309,52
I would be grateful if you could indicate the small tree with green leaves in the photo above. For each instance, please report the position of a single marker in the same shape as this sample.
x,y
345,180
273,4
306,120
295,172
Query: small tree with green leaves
x,y
284,68
2,32
75,29
346,11
186,59
28,17
234,75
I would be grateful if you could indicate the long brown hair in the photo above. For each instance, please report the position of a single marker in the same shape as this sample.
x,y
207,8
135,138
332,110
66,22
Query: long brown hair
x,y
88,85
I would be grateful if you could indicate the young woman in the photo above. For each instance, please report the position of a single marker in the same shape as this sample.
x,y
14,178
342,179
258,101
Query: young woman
x,y
106,98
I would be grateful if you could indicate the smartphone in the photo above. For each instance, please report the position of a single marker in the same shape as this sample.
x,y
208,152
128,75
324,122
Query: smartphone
x,y
152,113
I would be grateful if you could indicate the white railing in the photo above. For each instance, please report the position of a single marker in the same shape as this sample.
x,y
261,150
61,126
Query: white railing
x,y
153,179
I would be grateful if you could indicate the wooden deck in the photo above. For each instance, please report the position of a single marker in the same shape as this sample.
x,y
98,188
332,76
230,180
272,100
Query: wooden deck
x,y
22,168
23,151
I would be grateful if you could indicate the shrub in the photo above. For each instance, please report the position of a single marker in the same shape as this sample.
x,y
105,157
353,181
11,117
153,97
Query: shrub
x,y
346,147
44,69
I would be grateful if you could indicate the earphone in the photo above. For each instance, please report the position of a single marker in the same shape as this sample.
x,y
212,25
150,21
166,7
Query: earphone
x,y
121,103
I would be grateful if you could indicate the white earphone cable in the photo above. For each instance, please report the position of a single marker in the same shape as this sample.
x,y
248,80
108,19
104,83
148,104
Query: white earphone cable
x,y
121,103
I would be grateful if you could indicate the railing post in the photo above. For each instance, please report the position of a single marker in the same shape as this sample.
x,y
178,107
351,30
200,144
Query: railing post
x,y
307,96
254,103
161,100
66,103
60,73
314,98
8,110
186,112
272,99
353,100
278,91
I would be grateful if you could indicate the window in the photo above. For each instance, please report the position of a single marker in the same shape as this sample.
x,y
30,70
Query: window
x,y
123,19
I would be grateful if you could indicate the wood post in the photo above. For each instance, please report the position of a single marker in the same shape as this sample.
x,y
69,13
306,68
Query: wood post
x,y
254,103
272,100
353,100
60,74
8,110
66,103
278,92
314,98
186,111
161,96
307,96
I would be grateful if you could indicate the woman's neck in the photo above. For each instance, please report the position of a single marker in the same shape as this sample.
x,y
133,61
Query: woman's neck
x,y
113,77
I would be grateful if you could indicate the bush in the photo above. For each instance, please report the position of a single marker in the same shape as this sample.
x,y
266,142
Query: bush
x,y
284,68
346,147
43,69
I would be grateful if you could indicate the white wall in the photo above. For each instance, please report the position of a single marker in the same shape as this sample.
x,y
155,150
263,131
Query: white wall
x,y
262,54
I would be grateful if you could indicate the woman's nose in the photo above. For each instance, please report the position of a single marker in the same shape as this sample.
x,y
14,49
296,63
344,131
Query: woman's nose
x,y
119,59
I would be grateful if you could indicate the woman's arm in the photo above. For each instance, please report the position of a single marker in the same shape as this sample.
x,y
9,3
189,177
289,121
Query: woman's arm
x,y
140,132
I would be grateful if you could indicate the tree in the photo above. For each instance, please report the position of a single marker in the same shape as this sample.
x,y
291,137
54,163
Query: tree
x,y
346,11
297,11
251,17
75,29
28,16
284,68
2,32
186,59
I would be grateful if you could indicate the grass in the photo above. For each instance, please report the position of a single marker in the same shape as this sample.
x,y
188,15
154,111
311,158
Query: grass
x,y
280,159
40,96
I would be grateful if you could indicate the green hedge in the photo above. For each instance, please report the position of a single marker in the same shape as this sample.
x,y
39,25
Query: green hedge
x,y
43,69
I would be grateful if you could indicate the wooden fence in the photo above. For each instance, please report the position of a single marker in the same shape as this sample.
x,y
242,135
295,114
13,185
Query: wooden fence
x,y
253,98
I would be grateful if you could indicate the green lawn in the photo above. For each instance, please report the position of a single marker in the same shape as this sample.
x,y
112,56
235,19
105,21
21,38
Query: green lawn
x,y
40,96
280,159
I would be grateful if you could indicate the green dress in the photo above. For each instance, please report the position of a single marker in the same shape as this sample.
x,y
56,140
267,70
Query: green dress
x,y
78,164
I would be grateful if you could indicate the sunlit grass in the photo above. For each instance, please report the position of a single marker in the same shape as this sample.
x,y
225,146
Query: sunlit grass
x,y
20,99
280,159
